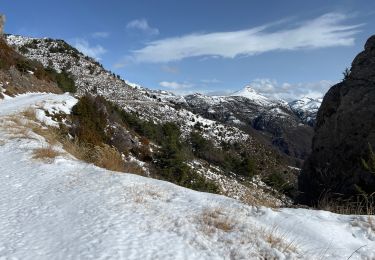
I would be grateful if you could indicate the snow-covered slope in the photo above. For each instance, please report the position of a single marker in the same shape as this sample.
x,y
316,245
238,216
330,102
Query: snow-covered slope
x,y
306,108
249,93
274,119
67,209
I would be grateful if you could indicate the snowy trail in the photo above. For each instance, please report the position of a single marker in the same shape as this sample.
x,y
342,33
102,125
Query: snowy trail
x,y
68,209
12,105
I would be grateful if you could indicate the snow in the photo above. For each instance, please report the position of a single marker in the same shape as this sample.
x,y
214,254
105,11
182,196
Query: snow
x,y
68,209
306,104
250,93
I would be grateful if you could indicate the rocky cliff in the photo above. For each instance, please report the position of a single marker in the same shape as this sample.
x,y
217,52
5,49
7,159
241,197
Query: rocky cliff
x,y
345,127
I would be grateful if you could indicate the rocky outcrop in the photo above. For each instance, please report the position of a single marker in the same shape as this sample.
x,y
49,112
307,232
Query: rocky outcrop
x,y
344,129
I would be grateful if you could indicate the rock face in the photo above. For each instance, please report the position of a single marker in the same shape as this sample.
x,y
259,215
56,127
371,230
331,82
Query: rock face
x,y
344,129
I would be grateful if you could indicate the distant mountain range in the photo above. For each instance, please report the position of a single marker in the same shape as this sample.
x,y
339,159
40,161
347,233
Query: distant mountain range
x,y
286,126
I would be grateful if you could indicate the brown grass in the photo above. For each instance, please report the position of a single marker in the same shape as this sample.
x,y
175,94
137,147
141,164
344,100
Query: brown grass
x,y
214,219
77,149
103,156
29,113
279,241
17,127
371,223
139,198
45,153
135,168
23,125
361,205
109,158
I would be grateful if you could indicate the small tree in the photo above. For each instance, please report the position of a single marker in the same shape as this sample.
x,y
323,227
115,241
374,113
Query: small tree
x,y
346,73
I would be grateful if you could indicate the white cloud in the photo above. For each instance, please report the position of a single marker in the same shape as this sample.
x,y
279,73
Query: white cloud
x,y
91,51
325,31
175,85
142,25
170,69
273,89
97,35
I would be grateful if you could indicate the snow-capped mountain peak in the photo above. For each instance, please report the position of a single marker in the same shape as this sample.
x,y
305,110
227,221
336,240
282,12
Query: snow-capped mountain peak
x,y
307,108
252,94
306,103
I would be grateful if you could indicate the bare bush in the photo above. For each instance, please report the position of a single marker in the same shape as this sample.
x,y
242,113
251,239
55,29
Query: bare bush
x,y
45,153
214,219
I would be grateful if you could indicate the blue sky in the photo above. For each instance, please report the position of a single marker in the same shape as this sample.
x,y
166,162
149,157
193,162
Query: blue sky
x,y
283,48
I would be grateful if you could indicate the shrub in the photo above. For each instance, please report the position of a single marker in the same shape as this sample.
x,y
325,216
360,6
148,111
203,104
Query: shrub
x,y
45,153
230,160
278,182
63,80
171,162
89,120
346,73
23,49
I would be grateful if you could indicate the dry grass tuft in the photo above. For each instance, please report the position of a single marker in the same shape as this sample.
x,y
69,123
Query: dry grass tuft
x,y
45,153
109,158
279,240
139,198
17,127
371,223
135,168
361,205
30,114
103,156
77,149
267,201
215,219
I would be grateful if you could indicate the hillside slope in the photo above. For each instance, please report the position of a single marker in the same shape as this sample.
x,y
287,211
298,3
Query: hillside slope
x,y
66,209
272,121
90,77
19,74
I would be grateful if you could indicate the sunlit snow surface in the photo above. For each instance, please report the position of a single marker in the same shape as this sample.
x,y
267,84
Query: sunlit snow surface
x,y
68,209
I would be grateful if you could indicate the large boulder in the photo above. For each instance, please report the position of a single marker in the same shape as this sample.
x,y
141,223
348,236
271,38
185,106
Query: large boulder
x,y
345,128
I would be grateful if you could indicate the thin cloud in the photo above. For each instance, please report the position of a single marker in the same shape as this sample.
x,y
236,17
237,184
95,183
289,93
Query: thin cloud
x,y
119,65
170,69
175,85
92,51
98,35
210,81
142,25
272,89
325,31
